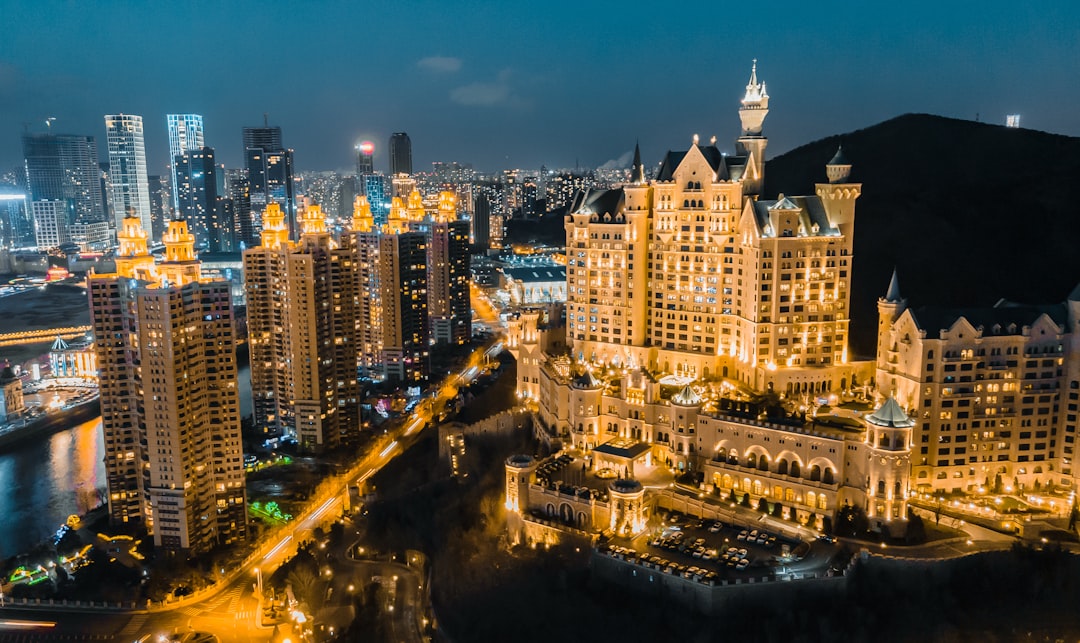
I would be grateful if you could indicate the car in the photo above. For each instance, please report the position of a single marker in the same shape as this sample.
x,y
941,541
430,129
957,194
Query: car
x,y
742,535
827,538
743,552
697,553
743,564
715,527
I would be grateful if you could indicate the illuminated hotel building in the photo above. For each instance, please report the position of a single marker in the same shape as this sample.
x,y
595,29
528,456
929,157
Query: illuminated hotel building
x,y
128,180
303,327
688,289
166,356
51,219
996,390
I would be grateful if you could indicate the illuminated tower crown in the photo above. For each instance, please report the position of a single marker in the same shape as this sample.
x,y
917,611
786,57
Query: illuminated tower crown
x,y
447,207
179,242
312,220
397,222
275,233
755,105
362,219
416,206
180,266
133,258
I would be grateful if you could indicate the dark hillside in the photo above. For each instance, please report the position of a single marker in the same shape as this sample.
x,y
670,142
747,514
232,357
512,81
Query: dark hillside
x,y
967,212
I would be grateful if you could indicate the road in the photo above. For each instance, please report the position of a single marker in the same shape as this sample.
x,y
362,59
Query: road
x,y
231,612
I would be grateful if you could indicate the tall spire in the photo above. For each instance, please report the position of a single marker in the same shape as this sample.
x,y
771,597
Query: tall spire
x,y
893,294
637,170
755,105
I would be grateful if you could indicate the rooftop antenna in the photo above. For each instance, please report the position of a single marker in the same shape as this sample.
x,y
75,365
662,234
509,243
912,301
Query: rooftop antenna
x,y
49,122
266,119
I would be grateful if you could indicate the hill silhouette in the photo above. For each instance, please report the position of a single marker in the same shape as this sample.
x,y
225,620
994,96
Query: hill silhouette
x,y
967,212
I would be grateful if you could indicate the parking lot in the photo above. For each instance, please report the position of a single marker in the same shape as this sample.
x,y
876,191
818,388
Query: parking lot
x,y
729,551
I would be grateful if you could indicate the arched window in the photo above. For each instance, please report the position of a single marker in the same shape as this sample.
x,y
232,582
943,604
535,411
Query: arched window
x,y
827,476
897,493
686,203
733,457
782,467
815,473
811,498
795,471
881,487
751,460
763,464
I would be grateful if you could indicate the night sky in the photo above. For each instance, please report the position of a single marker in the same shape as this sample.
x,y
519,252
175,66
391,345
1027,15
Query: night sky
x,y
520,84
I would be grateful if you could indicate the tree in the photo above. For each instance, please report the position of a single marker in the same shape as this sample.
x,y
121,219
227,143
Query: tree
x,y
745,500
916,531
851,521
763,505
1074,514
778,510
997,483
731,496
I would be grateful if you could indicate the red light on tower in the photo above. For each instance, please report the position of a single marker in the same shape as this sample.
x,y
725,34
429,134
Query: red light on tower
x,y
367,147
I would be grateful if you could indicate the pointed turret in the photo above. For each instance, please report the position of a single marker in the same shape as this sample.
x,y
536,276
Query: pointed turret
x,y
838,170
397,222
892,295
755,105
637,170
415,207
752,143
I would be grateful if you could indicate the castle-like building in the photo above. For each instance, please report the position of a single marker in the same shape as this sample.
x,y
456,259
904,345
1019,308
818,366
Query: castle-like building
x,y
693,305
689,291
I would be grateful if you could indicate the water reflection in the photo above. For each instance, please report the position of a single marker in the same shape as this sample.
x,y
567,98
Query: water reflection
x,y
44,482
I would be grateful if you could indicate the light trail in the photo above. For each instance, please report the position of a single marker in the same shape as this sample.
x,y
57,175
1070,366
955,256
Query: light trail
x,y
27,625
326,505
277,548
388,449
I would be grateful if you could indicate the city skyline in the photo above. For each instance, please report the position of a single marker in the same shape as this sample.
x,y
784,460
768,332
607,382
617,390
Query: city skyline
x,y
513,104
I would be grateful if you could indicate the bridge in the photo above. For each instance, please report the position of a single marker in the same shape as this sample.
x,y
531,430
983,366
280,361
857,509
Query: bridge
x,y
43,335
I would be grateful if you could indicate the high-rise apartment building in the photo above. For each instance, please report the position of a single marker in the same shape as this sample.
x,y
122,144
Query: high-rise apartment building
x,y
63,166
393,290
161,203
165,344
51,227
400,154
303,325
185,135
128,180
449,299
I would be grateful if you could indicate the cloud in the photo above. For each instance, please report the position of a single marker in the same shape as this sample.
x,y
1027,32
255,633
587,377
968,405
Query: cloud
x,y
619,163
440,64
499,93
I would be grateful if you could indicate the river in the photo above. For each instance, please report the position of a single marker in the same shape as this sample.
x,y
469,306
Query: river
x,y
43,482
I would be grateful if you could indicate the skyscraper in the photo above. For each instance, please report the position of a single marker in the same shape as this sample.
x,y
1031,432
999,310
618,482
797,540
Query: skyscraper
x,y
400,154
270,175
449,299
197,195
165,344
365,159
481,221
51,229
185,134
127,169
238,190
303,326
63,166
